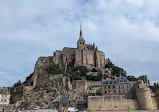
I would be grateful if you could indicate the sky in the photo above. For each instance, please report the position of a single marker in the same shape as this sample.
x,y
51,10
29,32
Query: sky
x,y
126,30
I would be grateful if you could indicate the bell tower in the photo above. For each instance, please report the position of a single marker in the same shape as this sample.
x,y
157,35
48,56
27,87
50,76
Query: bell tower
x,y
81,41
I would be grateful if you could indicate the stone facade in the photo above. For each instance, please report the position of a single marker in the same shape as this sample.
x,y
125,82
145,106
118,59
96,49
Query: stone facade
x,y
119,85
84,55
79,57
4,96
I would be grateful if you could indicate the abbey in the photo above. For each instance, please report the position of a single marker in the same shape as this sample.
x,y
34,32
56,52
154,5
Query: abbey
x,y
84,55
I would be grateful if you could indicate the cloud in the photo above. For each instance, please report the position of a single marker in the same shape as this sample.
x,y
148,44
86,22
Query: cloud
x,y
126,30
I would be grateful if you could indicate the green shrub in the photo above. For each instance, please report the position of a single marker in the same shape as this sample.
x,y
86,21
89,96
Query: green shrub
x,y
54,69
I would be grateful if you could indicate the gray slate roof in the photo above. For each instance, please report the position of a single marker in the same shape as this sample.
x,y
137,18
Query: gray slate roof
x,y
64,100
81,38
79,99
131,94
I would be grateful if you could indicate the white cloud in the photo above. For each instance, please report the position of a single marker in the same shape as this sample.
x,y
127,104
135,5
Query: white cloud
x,y
126,30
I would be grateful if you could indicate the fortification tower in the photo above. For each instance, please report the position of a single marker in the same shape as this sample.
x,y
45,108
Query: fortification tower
x,y
144,97
81,41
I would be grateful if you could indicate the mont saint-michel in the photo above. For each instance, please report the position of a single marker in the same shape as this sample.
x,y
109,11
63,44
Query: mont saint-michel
x,y
78,79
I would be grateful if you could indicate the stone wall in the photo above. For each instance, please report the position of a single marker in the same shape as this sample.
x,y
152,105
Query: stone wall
x,y
155,102
79,57
83,85
145,101
68,56
55,76
43,61
57,57
89,58
115,102
144,98
100,59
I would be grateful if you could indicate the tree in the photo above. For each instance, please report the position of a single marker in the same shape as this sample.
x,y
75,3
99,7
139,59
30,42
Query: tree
x,y
29,77
94,70
17,83
82,70
54,69
132,78
76,73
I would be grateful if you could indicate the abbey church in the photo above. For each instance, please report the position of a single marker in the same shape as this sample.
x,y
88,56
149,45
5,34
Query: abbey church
x,y
84,55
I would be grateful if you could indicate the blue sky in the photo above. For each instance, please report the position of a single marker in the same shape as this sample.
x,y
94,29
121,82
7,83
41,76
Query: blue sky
x,y
126,30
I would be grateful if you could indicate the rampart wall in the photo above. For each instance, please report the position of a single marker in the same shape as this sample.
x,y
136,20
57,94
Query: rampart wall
x,y
144,98
145,101
83,85
113,102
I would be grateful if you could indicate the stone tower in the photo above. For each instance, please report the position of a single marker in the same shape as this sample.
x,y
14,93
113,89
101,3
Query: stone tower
x,y
81,41
144,97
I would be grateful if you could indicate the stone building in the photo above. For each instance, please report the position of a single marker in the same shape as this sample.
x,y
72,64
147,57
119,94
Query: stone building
x,y
66,102
84,55
119,85
80,104
4,96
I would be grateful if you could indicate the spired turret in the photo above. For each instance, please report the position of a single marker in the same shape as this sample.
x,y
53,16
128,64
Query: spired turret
x,y
81,41
144,97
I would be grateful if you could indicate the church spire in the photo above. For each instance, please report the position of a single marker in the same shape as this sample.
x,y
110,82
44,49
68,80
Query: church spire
x,y
81,35
80,30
